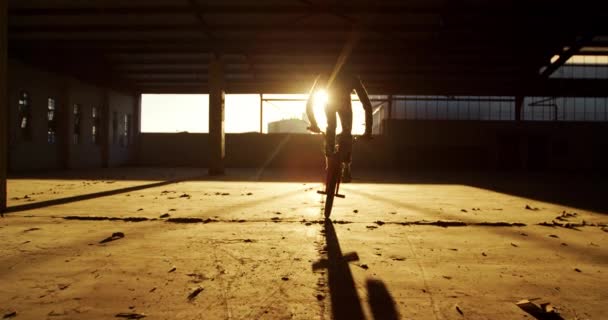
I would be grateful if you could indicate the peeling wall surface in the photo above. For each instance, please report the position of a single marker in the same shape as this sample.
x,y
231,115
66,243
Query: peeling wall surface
x,y
37,152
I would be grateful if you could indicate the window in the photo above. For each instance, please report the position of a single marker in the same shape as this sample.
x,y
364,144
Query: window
x,y
51,121
96,125
25,116
77,119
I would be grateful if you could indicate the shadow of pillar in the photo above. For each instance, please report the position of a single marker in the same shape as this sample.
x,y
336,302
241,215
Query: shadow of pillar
x,y
380,301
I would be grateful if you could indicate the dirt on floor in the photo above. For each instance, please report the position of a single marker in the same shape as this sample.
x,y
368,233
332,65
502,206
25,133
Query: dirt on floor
x,y
176,244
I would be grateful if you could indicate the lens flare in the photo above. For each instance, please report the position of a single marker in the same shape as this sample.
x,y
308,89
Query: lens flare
x,y
320,99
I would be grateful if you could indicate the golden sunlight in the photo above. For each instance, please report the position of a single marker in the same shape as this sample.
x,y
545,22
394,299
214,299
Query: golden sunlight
x,y
320,99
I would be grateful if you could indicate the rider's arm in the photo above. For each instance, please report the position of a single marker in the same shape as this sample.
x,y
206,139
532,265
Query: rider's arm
x,y
309,106
367,105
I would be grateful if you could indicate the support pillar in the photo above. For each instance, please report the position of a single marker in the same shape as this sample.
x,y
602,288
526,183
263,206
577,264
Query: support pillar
x,y
64,126
389,116
217,141
261,113
519,102
136,128
3,105
104,135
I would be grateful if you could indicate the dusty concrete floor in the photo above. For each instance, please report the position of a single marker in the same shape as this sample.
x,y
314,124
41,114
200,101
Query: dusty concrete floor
x,y
259,249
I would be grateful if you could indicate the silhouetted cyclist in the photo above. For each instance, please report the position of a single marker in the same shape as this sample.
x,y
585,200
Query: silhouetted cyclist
x,y
339,101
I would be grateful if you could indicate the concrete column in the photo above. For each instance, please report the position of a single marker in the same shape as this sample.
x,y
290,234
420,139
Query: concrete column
x,y
217,141
64,127
519,103
104,134
3,105
389,116
261,113
136,128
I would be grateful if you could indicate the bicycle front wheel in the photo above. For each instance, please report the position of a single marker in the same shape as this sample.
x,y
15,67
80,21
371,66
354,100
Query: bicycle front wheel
x,y
333,174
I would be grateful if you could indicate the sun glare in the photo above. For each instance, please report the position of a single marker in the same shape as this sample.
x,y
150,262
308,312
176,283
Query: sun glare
x,y
320,100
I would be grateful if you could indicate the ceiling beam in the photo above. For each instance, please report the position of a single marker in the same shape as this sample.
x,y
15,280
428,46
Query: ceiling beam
x,y
490,8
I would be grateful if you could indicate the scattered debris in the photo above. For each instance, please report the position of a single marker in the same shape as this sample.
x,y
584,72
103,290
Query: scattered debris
x,y
514,245
172,209
140,209
553,236
277,212
31,229
165,215
130,315
577,270
564,244
371,227
197,277
152,290
453,249
539,311
10,315
364,266
523,234
285,278
96,218
248,241
393,212
249,193
459,311
447,277
185,195
320,297
275,219
62,286
531,208
356,211
115,236
379,222
191,220
397,258
484,254
195,293
463,210
172,269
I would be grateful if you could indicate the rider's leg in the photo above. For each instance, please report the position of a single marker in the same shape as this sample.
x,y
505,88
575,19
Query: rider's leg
x,y
346,140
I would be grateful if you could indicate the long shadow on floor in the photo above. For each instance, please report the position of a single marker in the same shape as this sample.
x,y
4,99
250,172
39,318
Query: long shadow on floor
x,y
345,301
53,202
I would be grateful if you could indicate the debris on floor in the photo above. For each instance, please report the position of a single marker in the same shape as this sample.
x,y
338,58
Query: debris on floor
x,y
542,311
10,315
130,315
459,310
528,207
195,293
115,236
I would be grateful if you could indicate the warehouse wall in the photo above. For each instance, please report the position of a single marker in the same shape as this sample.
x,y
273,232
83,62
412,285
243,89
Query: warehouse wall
x,y
36,152
459,145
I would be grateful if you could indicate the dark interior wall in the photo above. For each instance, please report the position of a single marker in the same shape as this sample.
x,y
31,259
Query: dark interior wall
x,y
121,147
34,153
37,153
468,145
248,150
85,153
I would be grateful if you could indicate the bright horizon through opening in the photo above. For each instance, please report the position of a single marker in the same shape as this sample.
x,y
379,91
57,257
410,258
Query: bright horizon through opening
x,y
171,113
